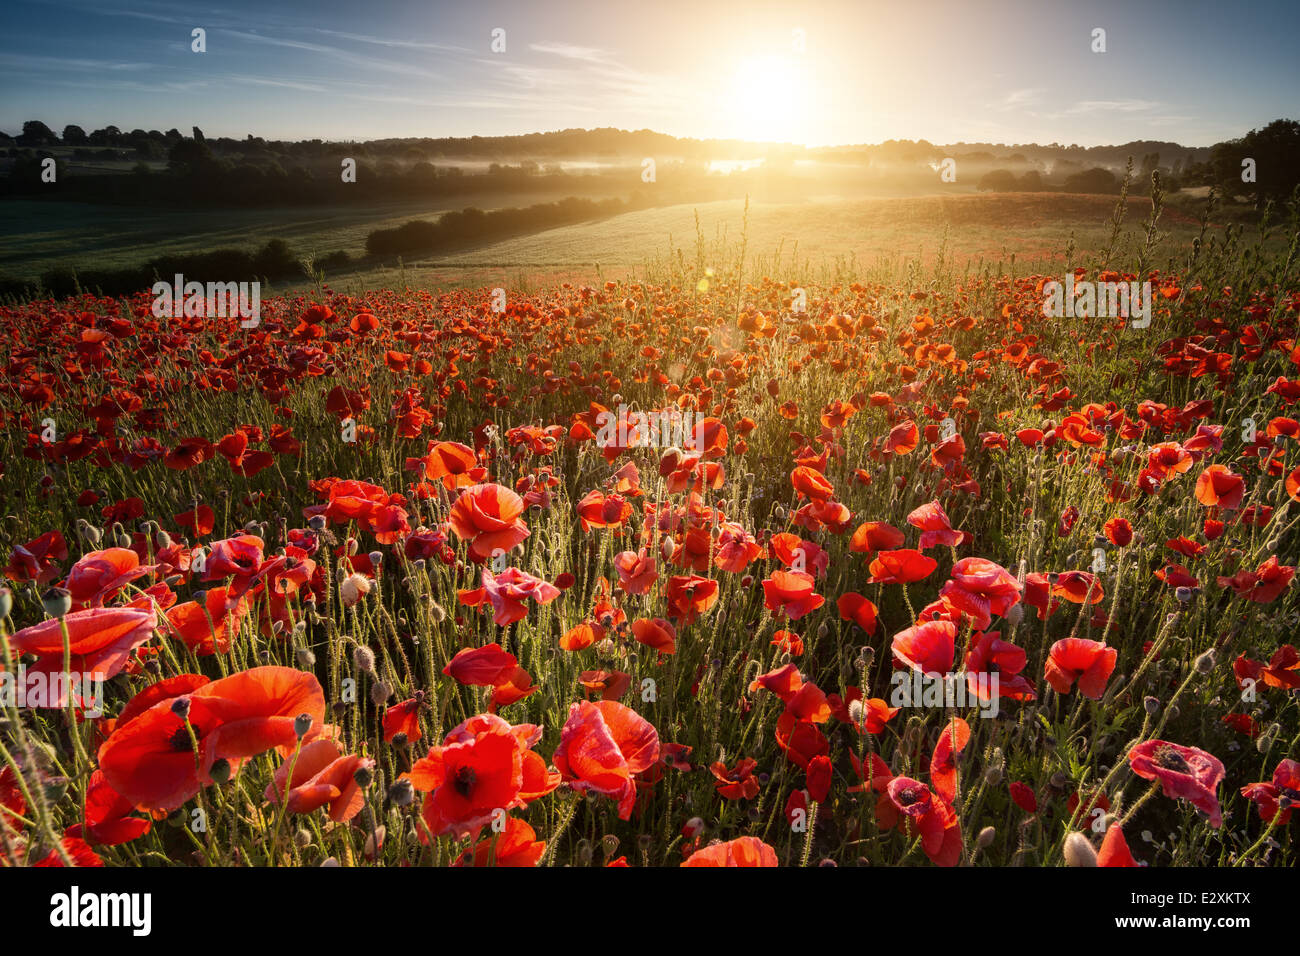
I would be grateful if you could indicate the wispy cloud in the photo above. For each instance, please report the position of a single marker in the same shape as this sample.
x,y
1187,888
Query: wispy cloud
x,y
1112,106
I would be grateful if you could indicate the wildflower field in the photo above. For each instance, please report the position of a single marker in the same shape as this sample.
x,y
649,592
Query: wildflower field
x,y
729,564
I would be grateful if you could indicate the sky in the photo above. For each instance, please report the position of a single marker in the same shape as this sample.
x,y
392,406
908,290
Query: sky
x,y
812,73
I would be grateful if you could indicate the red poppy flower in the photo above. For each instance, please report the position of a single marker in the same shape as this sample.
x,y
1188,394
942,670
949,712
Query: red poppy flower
x,y
481,666
484,766
856,608
602,746
322,775
101,641
1075,658
657,634
1221,487
738,783
875,536
791,593
980,589
1183,772
488,517
1268,796
515,846
742,851
927,647
1114,849
936,527
901,567
151,761
689,596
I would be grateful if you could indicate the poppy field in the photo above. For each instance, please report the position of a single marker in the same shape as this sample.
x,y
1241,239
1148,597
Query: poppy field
x,y
723,568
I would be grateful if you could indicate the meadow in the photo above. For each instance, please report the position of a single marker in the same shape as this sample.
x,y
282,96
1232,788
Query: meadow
x,y
367,584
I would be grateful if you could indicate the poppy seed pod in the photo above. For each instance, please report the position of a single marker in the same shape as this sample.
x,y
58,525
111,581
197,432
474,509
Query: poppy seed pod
x,y
220,771
181,707
1151,705
1078,851
401,793
316,523
301,724
364,776
57,602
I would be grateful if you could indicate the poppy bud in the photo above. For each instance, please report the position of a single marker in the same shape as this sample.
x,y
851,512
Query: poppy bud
x,y
1205,663
856,711
302,839
317,523
379,693
585,852
376,558
985,838
993,776
375,843
6,602
363,659
438,611
1079,851
1152,705
220,771
301,724
1015,614
199,597
401,793
57,601
329,861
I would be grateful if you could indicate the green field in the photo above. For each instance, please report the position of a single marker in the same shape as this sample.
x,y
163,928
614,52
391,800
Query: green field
x,y
827,235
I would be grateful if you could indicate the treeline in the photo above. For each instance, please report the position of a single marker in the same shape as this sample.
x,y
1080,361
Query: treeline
x,y
463,226
275,260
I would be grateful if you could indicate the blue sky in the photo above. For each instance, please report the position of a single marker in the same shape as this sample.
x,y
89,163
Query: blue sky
x,y
857,71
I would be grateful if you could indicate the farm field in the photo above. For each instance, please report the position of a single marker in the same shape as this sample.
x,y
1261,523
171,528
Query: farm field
x,y
409,576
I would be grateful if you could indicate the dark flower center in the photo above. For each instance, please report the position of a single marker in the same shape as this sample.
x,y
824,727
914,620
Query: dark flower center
x,y
464,781
1171,759
180,739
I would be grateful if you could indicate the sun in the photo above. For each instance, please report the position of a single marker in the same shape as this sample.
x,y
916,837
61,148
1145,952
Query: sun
x,y
768,99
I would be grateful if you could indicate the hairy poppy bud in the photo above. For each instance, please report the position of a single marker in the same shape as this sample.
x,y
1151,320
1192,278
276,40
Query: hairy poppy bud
x,y
6,602
1205,663
1079,851
302,839
363,659
985,838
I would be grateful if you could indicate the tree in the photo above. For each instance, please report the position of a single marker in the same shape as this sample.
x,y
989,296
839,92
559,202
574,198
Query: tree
x,y
36,133
1095,180
1276,152
74,136
997,180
